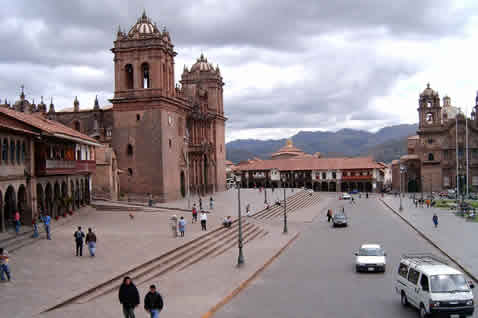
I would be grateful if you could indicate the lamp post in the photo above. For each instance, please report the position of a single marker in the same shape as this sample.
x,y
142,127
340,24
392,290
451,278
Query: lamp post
x,y
285,209
265,194
402,170
240,258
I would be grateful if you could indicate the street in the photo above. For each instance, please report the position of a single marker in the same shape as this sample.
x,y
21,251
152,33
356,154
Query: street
x,y
316,276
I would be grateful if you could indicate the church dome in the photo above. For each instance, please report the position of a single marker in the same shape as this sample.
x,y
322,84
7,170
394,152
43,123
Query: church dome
x,y
289,150
144,26
429,92
202,65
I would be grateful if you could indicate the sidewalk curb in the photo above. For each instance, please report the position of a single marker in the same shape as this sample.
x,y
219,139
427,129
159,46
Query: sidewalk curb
x,y
245,283
463,268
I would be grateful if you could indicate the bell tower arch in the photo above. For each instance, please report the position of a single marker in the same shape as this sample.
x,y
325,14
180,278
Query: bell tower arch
x,y
144,60
429,109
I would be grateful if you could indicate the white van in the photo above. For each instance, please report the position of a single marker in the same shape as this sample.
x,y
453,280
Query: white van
x,y
427,283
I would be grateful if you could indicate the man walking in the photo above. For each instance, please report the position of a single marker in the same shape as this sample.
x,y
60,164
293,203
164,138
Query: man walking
x,y
173,221
79,235
153,302
35,226
211,203
203,220
195,214
435,220
4,264
46,222
329,215
128,297
200,203
91,242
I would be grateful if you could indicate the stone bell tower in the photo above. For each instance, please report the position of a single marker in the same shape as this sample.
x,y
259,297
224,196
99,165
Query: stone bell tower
x,y
429,109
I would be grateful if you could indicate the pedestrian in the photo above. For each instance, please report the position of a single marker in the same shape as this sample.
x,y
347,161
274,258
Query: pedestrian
x,y
211,203
182,225
248,209
79,235
4,269
352,200
435,220
17,222
153,302
46,222
195,214
173,221
329,215
203,220
35,226
128,297
91,242
227,222
200,203
366,195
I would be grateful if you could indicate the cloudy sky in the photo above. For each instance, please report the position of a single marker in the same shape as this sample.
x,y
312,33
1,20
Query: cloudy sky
x,y
288,66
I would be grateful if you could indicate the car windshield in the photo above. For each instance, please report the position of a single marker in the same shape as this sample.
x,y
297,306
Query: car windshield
x,y
448,283
339,216
371,252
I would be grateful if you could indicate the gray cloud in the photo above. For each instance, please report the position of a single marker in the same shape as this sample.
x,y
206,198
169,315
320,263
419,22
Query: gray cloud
x,y
61,48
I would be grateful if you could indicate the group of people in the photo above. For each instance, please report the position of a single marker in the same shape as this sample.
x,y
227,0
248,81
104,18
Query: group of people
x,y
179,225
89,239
129,298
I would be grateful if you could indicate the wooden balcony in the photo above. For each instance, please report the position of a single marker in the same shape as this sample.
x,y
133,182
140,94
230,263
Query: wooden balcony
x,y
356,178
64,167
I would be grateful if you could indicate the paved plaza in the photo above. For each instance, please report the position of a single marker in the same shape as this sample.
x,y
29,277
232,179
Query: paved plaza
x,y
46,273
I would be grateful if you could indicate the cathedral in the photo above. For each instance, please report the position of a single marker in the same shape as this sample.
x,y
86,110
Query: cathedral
x,y
444,153
169,139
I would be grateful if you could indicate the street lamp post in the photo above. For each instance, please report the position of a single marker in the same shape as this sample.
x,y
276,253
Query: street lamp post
x,y
265,194
402,170
285,211
240,258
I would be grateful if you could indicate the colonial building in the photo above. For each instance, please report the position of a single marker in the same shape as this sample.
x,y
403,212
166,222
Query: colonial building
x,y
44,165
435,152
291,167
166,137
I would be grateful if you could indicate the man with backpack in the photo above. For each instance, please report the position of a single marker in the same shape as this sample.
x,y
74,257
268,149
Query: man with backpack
x,y
79,235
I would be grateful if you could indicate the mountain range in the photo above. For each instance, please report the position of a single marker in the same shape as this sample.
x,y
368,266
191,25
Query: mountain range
x,y
385,145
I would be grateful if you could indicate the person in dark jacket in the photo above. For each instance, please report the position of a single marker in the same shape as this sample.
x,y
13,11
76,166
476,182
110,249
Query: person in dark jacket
x,y
79,235
153,302
128,297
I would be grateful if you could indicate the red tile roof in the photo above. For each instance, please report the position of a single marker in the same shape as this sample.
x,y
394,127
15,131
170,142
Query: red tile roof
x,y
46,125
306,163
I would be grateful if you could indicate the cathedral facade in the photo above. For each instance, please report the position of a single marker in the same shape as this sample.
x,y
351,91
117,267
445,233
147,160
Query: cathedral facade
x,y
169,139
444,153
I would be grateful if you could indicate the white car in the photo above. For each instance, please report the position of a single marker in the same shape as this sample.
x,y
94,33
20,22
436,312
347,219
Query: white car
x,y
370,258
346,196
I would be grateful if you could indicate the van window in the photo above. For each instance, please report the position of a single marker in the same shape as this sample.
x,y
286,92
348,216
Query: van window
x,y
448,283
424,283
403,270
413,276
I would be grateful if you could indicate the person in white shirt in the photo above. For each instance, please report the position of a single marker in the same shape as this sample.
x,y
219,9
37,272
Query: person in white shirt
x,y
203,220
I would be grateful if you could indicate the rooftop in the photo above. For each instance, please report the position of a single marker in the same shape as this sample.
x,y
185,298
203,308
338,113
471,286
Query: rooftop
x,y
42,123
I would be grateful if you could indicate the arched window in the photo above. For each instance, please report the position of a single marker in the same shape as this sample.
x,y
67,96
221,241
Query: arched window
x,y
12,151
5,150
129,76
77,126
146,78
129,150
430,157
18,151
24,151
